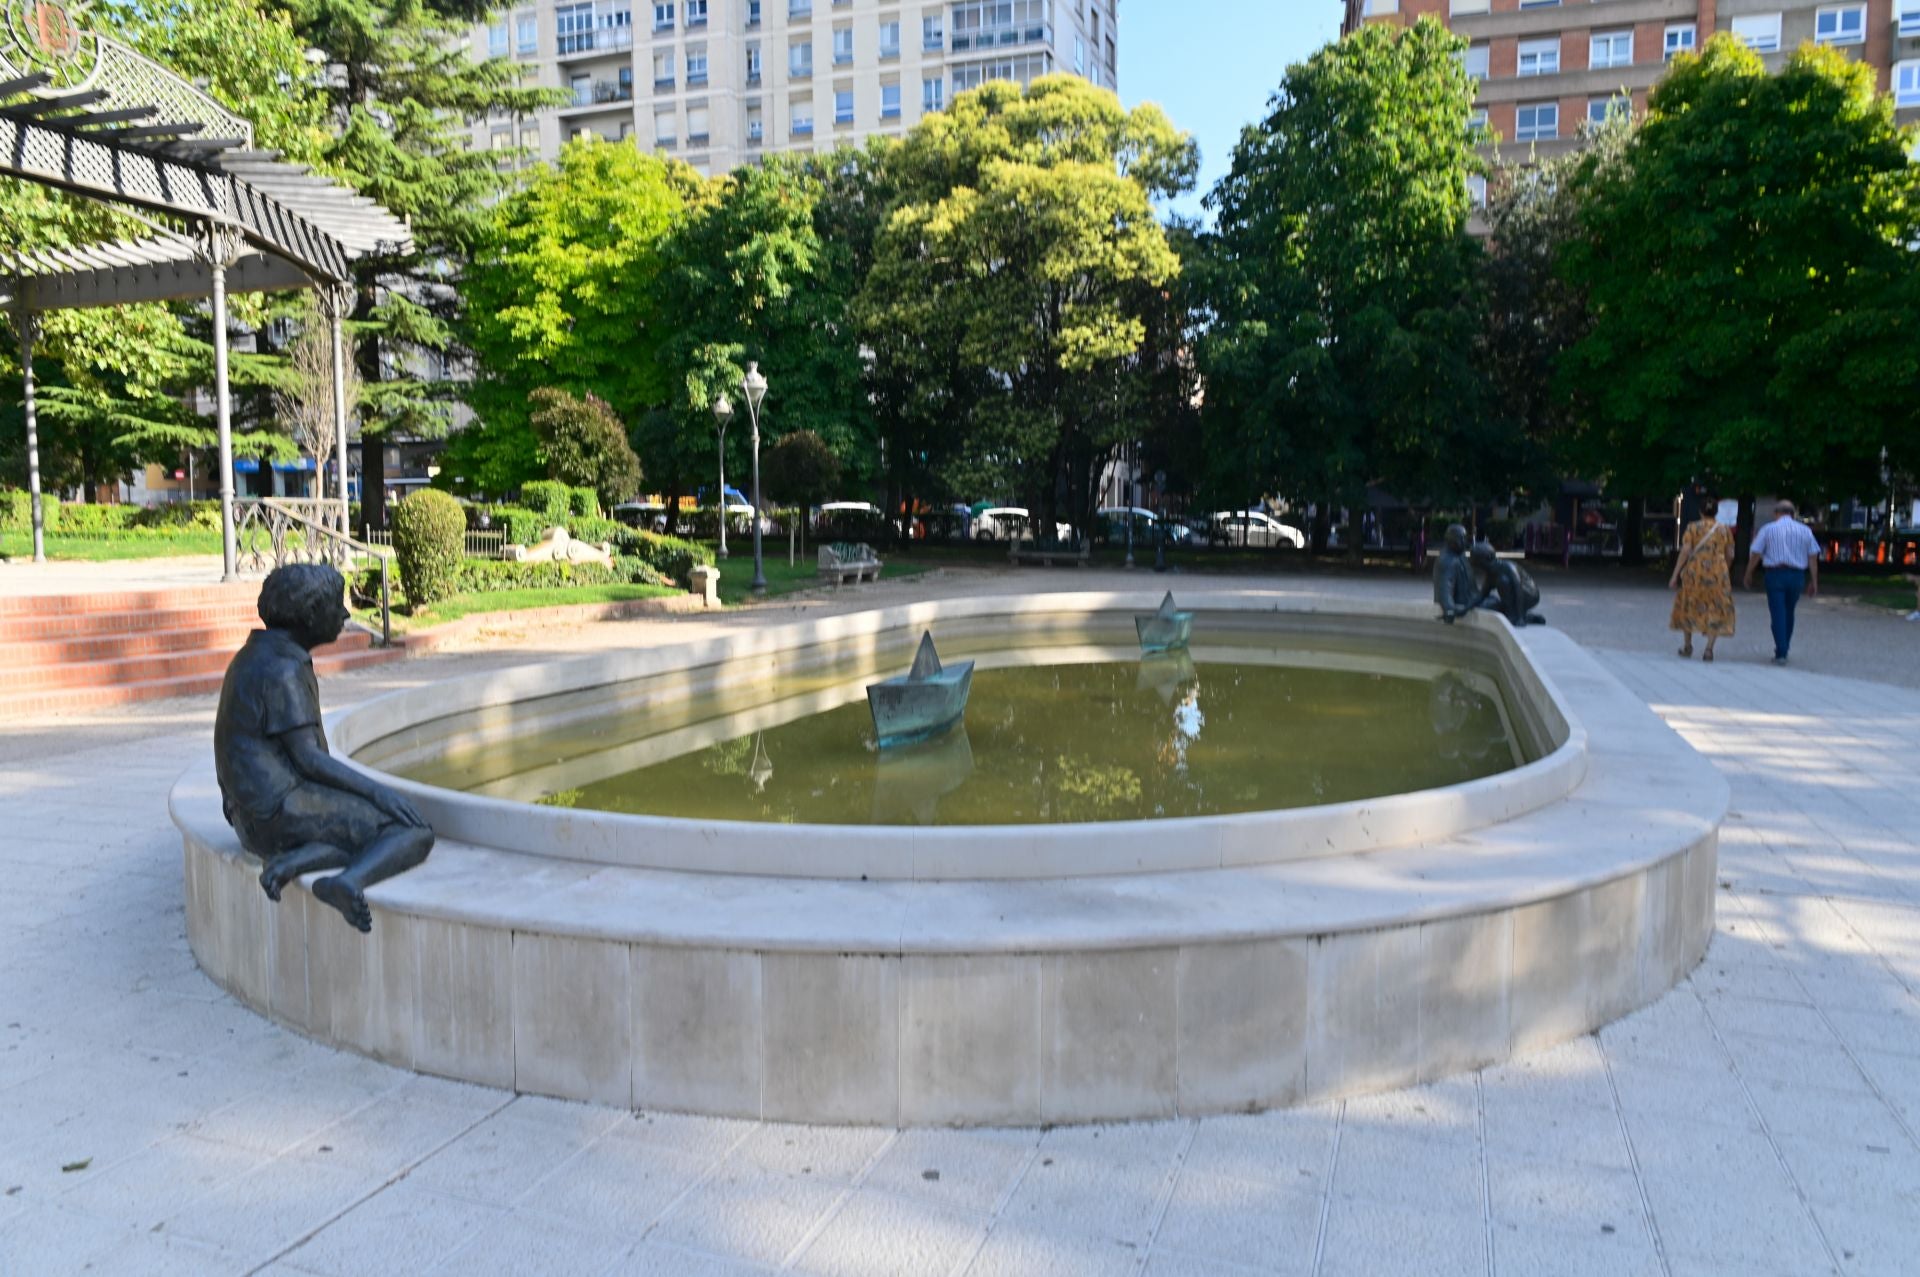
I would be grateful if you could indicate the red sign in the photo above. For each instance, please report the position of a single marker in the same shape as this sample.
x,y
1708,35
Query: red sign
x,y
52,30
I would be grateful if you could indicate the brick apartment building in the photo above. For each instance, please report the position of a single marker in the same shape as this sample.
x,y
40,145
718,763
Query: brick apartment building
x,y
1547,66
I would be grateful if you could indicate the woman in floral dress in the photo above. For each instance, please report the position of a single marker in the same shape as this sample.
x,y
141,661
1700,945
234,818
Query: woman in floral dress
x,y
1703,579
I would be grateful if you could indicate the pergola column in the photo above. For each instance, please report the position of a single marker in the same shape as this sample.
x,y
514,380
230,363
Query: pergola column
x,y
28,323
336,303
221,248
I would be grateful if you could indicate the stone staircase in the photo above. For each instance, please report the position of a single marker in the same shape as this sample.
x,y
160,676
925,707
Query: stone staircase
x,y
62,652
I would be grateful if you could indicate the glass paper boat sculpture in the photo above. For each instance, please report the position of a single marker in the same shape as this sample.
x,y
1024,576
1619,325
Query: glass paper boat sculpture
x,y
923,702
1166,630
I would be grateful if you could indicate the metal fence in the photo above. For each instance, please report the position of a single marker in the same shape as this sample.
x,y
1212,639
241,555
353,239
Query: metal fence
x,y
480,544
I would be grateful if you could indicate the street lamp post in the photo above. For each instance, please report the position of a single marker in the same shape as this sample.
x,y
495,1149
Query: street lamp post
x,y
723,414
756,388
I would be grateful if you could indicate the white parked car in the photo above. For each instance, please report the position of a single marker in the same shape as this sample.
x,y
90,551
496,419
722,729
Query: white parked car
x,y
1001,523
1255,528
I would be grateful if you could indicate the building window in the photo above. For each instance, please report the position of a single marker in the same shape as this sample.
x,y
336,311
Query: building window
x,y
1021,70
889,39
1842,24
696,13
1906,16
842,45
696,126
1610,49
573,28
1600,110
933,34
530,137
1679,40
663,130
753,13
801,9
1906,84
1477,119
933,94
802,117
1760,31
696,64
501,140
889,101
800,59
497,40
663,68
1539,57
1079,56
843,106
526,35
753,63
1477,190
1468,6
1539,4
663,15
755,129
1537,122
1473,59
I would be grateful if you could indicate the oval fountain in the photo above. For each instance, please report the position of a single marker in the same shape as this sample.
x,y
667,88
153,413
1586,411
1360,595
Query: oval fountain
x,y
1334,847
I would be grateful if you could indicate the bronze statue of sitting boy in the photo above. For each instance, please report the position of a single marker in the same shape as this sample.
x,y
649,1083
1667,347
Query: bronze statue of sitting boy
x,y
295,805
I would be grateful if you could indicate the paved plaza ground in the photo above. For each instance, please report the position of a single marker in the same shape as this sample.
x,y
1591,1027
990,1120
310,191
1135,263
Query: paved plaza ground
x,y
1761,1119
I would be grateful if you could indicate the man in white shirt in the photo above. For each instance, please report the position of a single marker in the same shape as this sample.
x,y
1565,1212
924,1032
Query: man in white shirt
x,y
1790,553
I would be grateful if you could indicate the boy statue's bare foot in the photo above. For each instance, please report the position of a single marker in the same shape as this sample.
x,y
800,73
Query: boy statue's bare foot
x,y
274,876
347,898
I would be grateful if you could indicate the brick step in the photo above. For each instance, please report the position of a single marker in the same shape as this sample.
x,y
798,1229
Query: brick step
x,y
225,637
239,593
144,669
75,699
52,625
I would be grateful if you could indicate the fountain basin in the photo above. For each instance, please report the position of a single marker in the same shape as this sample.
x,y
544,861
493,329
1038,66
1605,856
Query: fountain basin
x,y
997,974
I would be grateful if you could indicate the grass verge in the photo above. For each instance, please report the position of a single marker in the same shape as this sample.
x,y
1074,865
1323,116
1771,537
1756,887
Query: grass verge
x,y
1891,592
19,545
459,605
736,575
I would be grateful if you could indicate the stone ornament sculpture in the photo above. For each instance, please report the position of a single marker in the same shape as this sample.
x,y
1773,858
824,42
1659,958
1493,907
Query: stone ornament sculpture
x,y
1454,588
294,805
923,702
1505,586
557,545
1167,630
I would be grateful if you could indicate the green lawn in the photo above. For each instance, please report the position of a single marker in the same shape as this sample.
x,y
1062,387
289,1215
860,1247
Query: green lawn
x,y
19,545
736,574
459,605
1878,591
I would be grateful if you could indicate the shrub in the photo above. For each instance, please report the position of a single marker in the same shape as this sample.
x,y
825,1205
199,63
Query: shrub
x,y
488,576
584,444
522,526
429,540
672,557
583,503
594,529
548,499
16,510
95,520
201,516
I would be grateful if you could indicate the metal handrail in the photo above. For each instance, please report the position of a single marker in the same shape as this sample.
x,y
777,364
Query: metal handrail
x,y
323,538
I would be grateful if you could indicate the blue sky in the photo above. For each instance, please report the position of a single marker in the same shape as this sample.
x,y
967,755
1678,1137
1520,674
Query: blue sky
x,y
1211,66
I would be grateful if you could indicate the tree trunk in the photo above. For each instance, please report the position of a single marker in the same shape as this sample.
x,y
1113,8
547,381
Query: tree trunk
x,y
1632,533
1322,523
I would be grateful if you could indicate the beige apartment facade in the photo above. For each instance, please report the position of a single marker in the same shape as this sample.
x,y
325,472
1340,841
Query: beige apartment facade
x,y
1545,67
720,83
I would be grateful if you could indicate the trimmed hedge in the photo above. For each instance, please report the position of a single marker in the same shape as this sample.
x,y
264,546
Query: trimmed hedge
x,y
174,516
670,556
16,510
486,576
583,503
548,499
594,530
96,520
429,540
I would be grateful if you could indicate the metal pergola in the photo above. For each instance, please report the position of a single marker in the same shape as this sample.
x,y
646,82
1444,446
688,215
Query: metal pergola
x,y
84,114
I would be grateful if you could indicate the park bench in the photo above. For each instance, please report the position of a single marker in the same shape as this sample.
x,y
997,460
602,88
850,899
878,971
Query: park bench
x,y
844,561
1048,553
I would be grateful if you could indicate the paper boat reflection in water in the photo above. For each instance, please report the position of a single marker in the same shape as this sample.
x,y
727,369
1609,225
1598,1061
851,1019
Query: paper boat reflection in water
x,y
910,781
1166,630
923,702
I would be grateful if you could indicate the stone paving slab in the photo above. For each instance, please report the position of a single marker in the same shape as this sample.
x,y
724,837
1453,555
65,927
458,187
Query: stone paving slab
x,y
1761,1119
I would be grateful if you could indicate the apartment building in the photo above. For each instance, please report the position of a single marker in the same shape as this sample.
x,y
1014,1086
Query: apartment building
x,y
1546,66
720,83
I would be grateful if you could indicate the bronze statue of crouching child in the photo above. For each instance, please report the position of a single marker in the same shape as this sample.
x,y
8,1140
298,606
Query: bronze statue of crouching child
x,y
294,805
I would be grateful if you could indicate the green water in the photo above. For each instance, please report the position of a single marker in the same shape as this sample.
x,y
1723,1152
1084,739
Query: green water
x,y
1110,740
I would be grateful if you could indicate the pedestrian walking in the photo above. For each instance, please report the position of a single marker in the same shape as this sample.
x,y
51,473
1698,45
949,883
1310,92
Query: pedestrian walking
x,y
1703,581
1790,553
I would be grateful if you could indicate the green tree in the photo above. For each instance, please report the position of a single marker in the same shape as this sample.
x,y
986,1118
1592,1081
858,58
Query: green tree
x,y
584,445
1007,278
565,291
401,88
801,469
1342,284
1752,282
752,279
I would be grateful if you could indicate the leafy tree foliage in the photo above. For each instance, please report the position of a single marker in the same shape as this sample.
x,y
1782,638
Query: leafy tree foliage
x,y
801,469
1344,285
585,445
1009,271
565,291
1751,278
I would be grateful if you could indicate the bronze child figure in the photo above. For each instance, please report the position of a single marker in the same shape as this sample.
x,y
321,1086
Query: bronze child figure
x,y
1453,585
295,805
1506,587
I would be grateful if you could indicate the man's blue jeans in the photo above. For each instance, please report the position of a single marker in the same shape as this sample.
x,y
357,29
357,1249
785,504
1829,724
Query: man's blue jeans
x,y
1784,587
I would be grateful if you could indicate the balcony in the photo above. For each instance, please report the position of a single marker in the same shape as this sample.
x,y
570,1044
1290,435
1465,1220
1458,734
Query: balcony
x,y
589,44
601,93
1001,37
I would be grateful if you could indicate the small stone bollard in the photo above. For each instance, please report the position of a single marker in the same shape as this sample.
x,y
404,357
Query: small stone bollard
x,y
706,583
